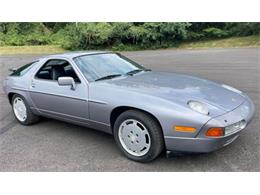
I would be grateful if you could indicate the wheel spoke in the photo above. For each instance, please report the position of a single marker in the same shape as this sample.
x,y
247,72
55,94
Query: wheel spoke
x,y
132,136
19,109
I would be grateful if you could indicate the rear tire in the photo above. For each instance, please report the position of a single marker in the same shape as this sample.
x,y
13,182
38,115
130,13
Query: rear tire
x,y
138,136
22,111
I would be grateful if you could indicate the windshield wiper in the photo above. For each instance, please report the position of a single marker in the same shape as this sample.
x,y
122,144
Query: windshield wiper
x,y
132,72
108,77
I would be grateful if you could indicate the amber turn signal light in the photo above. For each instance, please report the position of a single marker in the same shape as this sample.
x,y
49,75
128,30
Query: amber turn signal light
x,y
185,129
215,132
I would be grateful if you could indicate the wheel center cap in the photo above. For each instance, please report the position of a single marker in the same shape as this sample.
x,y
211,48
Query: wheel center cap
x,y
133,138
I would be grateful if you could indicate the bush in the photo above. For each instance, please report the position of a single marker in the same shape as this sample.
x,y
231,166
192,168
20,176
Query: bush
x,y
244,28
215,33
96,34
195,35
18,34
120,32
2,42
130,35
71,38
138,35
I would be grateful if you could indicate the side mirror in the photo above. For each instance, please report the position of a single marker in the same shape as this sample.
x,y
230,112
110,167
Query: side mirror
x,y
63,81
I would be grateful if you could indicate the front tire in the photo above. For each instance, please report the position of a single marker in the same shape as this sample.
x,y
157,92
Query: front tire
x,y
138,136
22,111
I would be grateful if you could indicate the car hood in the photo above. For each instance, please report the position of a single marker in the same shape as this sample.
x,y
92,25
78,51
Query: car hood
x,y
180,88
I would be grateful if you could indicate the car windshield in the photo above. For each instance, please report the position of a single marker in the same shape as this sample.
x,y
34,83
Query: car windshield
x,y
106,66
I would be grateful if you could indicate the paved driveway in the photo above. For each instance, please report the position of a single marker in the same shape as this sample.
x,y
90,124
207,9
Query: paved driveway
x,y
57,146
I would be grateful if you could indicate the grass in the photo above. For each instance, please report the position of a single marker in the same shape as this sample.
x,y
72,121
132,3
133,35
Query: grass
x,y
250,41
41,49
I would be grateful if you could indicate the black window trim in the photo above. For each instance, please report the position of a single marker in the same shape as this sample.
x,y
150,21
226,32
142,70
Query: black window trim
x,y
50,80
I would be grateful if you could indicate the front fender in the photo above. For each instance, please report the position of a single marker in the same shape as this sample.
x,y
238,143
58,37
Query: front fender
x,y
167,113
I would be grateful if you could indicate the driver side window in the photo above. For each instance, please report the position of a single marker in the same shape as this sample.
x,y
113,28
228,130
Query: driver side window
x,y
53,69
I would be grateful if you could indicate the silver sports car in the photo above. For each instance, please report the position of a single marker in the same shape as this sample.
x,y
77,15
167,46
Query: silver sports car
x,y
146,111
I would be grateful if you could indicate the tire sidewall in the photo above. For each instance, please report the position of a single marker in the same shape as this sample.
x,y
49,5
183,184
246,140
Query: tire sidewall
x,y
139,117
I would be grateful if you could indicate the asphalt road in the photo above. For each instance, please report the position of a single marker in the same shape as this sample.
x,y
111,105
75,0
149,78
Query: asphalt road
x,y
57,146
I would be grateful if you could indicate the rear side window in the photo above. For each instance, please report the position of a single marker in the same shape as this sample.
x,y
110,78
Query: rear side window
x,y
23,69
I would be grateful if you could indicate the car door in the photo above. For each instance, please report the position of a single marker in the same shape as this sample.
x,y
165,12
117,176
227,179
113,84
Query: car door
x,y
57,101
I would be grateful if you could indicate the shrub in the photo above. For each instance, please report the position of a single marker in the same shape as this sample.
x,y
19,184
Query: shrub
x,y
120,32
195,35
215,33
244,28
138,35
71,38
130,35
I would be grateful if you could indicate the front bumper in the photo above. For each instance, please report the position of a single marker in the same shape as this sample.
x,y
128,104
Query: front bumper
x,y
201,143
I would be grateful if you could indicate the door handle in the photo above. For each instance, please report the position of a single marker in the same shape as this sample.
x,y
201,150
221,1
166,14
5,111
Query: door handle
x,y
33,84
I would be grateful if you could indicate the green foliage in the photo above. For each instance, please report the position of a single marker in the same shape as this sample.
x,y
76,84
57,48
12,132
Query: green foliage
x,y
120,35
244,28
24,34
95,34
191,35
120,32
138,35
215,33
70,37
85,35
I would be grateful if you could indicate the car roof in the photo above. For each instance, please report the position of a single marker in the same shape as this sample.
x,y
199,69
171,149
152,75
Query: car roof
x,y
75,54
